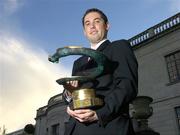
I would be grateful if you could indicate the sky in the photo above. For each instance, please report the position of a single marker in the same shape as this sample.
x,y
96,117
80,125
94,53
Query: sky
x,y
31,30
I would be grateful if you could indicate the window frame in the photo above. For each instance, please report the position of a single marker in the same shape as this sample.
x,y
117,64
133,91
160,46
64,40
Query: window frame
x,y
55,129
173,67
177,117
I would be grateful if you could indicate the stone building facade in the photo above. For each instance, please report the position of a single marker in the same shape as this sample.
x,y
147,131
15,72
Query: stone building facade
x,y
50,119
158,53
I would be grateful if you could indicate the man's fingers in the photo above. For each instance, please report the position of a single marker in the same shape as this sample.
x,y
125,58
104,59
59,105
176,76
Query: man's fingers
x,y
71,85
81,111
67,82
74,83
83,115
71,112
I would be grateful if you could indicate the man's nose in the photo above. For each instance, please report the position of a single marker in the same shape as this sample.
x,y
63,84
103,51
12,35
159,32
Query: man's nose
x,y
92,25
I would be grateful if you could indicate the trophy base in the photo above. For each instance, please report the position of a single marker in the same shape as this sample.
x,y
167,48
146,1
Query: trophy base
x,y
86,103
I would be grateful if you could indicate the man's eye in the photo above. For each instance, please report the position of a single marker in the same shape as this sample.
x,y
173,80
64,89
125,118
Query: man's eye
x,y
87,24
97,21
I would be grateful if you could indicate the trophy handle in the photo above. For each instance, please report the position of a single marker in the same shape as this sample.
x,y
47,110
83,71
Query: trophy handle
x,y
99,58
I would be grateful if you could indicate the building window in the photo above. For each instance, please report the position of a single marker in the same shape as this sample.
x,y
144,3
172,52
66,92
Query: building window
x,y
177,109
173,66
55,129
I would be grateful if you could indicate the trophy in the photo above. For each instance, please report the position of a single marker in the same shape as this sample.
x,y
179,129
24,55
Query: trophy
x,y
82,97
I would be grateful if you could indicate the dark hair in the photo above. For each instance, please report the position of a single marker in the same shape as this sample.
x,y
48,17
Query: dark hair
x,y
104,17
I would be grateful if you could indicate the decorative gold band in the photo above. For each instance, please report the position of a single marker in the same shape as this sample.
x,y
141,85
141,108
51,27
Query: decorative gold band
x,y
86,103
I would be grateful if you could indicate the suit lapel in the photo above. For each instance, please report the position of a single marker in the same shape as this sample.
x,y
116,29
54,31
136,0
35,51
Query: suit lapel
x,y
103,45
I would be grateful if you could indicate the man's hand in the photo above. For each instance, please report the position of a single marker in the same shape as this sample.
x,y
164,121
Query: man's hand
x,y
71,85
83,115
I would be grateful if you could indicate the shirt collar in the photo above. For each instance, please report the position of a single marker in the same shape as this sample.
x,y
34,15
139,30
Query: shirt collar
x,y
98,44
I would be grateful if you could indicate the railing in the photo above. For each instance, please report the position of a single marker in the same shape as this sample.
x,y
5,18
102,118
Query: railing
x,y
155,30
53,100
41,111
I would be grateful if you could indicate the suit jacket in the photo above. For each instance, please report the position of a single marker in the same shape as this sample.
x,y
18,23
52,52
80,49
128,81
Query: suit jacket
x,y
118,85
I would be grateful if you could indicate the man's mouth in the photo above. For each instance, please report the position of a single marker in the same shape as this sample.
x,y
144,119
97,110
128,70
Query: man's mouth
x,y
93,32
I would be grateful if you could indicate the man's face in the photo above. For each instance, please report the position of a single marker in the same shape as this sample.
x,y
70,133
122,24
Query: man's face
x,y
95,28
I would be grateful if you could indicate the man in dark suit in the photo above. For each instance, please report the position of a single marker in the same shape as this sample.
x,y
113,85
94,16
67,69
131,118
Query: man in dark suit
x,y
118,84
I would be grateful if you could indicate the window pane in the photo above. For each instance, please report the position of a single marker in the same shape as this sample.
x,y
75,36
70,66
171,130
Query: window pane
x,y
178,61
167,59
173,63
171,58
178,69
177,55
177,109
169,65
178,112
55,129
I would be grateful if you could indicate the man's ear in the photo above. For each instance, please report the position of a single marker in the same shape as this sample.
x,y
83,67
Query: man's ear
x,y
107,26
84,32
